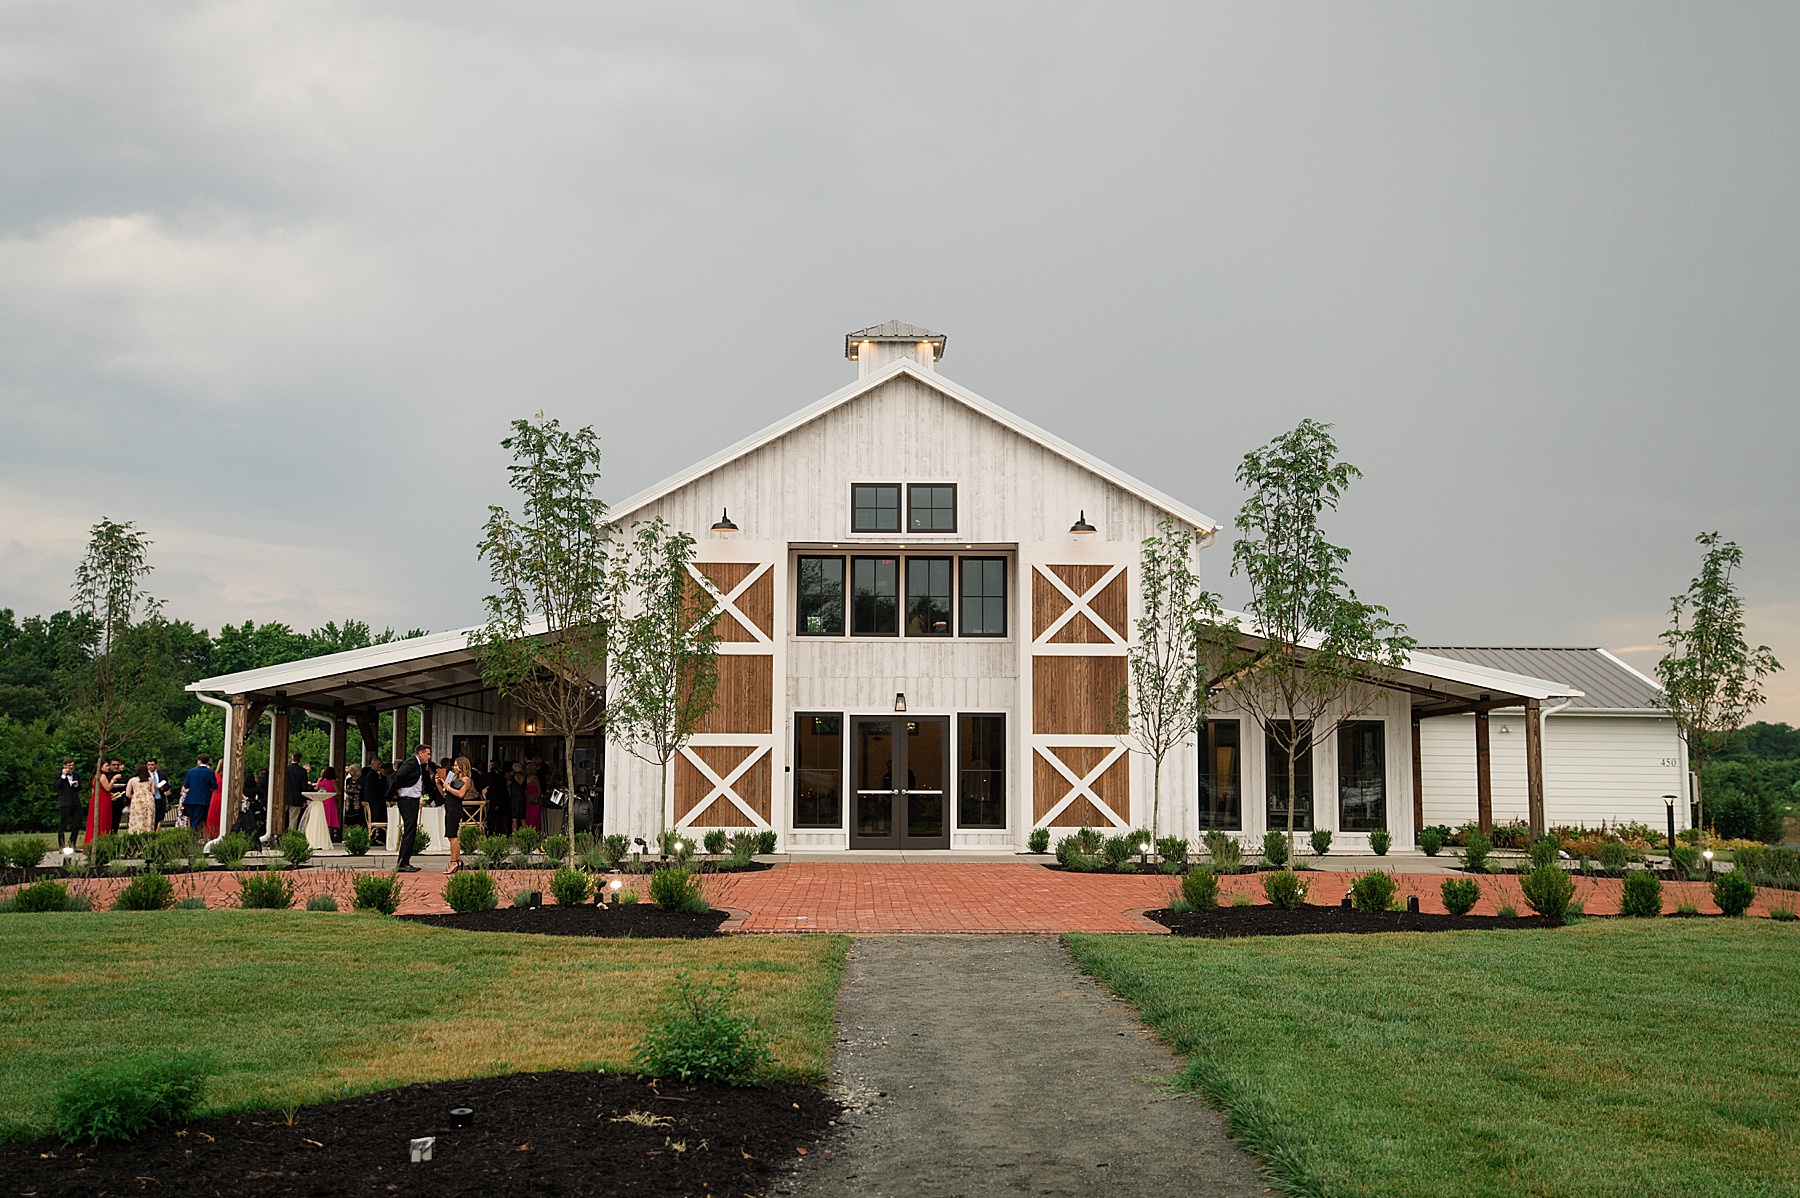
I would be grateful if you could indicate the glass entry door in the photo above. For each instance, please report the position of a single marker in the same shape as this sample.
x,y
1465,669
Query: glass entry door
x,y
900,782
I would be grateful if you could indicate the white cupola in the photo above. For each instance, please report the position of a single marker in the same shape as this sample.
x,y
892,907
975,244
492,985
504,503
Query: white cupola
x,y
876,346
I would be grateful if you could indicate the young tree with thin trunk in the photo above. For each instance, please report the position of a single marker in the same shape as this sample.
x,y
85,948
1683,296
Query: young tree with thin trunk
x,y
1711,678
1164,699
114,691
1315,652
546,640
664,669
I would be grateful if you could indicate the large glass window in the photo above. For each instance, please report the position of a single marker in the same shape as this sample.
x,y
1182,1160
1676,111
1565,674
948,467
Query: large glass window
x,y
875,507
1221,767
1276,772
875,596
931,507
981,771
984,596
818,771
821,591
928,596
1362,776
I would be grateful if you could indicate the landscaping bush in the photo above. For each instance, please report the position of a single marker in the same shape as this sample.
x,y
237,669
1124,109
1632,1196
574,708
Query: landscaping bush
x,y
119,1100
1685,859
594,860
1476,848
356,840
26,851
584,841
1642,894
295,847
700,1038
1225,852
1070,856
714,840
1432,841
1460,895
765,841
1548,891
1321,841
470,836
1734,892
1275,848
1750,860
421,841
1380,841
1544,849
321,902
471,890
743,848
45,895
79,901
192,902
1039,840
571,887
677,890
102,850
1285,889
230,850
528,838
375,892
1614,856
617,846
521,859
149,891
1200,888
1173,851
522,898
1118,852
556,848
1089,841
1374,891
268,891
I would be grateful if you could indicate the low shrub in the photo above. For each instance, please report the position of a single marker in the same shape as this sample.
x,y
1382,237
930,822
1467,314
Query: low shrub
x,y
1275,848
677,890
321,902
700,1037
1118,851
1173,851
1614,857
556,848
594,860
1380,841
117,1101
1544,849
1460,895
1548,891
523,898
1506,911
1070,856
528,838
1476,848
1225,852
45,895
102,850
266,891
1089,841
1242,900
295,847
1200,888
356,841
1285,889
571,887
230,850
149,891
1685,859
375,892
714,840
26,851
79,901
496,848
584,842
617,845
469,837
1374,891
1321,841
1039,840
628,898
192,902
1751,860
1641,894
471,890
1432,841
765,841
421,841
521,859
1782,909
1734,892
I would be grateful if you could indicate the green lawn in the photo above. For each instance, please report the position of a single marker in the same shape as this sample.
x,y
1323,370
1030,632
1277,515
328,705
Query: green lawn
x,y
295,1008
1605,1058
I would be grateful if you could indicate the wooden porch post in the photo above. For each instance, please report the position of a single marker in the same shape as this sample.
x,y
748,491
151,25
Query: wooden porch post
x,y
369,724
425,729
1484,776
340,743
1534,766
1418,756
234,763
400,745
278,753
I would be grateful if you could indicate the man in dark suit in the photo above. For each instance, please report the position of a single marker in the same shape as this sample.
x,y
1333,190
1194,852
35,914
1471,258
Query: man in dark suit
x,y
68,806
294,793
411,782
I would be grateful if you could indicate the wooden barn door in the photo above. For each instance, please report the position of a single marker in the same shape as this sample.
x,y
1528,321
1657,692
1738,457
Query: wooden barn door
x,y
1080,626
725,776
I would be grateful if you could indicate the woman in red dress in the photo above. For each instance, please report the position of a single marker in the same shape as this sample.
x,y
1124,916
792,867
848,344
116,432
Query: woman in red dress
x,y
99,820
216,805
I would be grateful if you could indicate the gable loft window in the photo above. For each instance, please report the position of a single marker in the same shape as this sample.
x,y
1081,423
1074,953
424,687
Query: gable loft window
x,y
875,596
1362,776
931,507
875,507
821,592
928,596
984,596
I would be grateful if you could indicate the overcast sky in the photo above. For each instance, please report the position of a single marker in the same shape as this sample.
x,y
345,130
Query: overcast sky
x,y
273,278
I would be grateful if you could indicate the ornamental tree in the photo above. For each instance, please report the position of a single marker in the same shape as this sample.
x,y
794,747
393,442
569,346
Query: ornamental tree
x,y
115,691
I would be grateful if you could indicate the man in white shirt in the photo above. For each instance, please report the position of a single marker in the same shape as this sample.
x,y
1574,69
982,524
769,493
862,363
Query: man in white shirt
x,y
411,782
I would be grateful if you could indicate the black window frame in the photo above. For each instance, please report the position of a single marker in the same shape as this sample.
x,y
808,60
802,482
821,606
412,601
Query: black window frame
x,y
949,595
800,612
1346,731
899,507
803,771
899,561
993,775
912,524
1207,814
963,597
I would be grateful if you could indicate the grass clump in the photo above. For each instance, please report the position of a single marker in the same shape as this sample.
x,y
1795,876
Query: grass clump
x,y
1374,891
678,890
266,891
117,1101
192,902
702,1037
1227,855
375,892
471,890
1200,889
1548,890
572,887
1641,894
1460,895
1734,892
321,902
1285,889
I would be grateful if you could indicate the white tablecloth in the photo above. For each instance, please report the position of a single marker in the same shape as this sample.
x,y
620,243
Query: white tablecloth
x,y
314,823
431,819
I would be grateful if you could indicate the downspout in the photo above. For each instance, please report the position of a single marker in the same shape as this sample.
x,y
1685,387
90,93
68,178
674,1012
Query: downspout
x,y
227,801
1544,714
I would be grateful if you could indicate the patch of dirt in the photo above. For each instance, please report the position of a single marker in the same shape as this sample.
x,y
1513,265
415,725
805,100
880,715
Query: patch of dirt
x,y
531,1133
640,920
1223,923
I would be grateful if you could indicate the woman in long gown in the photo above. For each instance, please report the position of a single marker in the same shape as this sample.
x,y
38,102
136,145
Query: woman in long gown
x,y
99,820
534,797
328,784
140,794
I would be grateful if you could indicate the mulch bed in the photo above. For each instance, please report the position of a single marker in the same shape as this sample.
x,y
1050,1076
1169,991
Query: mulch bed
x,y
640,920
532,1133
1223,923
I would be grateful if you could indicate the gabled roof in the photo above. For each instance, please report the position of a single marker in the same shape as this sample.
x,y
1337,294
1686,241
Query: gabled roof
x,y
894,330
944,386
1607,684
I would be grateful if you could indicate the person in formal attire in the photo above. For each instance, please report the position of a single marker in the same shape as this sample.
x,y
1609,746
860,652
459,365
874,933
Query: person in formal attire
x,y
329,784
459,787
197,793
140,799
412,782
352,804
298,783
115,770
159,782
68,806
375,795
100,804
